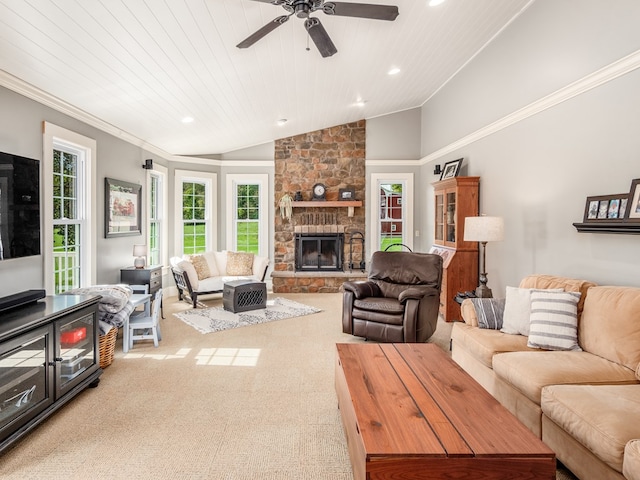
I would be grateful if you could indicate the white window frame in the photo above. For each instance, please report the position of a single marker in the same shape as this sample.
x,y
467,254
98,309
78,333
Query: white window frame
x,y
232,181
162,173
211,207
378,179
55,137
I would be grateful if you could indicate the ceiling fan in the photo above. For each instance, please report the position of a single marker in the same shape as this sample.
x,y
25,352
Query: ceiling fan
x,y
304,8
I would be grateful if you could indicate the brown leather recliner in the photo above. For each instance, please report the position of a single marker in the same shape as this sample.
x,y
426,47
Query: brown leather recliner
x,y
399,302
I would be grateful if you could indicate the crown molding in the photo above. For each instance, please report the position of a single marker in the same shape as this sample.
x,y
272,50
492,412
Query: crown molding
x,y
393,163
604,75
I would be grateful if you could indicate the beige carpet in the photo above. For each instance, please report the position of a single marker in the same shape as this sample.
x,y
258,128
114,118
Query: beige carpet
x,y
251,403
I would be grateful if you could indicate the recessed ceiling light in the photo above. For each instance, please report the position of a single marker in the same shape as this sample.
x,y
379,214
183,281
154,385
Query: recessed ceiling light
x,y
282,121
360,103
187,120
394,71
435,3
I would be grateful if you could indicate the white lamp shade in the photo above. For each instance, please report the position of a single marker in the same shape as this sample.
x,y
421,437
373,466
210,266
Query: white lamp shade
x,y
483,229
139,250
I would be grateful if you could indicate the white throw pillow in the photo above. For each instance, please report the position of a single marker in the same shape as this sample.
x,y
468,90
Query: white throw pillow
x,y
517,310
554,320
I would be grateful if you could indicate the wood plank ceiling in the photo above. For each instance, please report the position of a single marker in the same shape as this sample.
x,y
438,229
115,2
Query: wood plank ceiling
x,y
144,65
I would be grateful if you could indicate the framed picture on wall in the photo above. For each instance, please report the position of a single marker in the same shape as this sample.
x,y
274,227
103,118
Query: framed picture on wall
x,y
451,169
605,207
122,208
633,203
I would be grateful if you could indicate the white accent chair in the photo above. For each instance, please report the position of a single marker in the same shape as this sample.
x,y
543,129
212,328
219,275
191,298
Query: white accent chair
x,y
148,327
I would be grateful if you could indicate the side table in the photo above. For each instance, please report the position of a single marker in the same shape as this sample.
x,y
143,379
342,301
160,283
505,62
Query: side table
x,y
151,276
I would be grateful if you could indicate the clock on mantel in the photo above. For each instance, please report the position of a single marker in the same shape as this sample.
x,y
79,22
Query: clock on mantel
x,y
319,192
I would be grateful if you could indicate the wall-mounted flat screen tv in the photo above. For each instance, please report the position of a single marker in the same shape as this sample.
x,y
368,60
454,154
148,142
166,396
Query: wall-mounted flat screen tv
x,y
19,206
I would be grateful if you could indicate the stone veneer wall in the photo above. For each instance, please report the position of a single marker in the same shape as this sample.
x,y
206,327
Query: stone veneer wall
x,y
335,157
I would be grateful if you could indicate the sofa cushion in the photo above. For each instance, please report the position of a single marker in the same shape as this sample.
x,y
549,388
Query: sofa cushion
x,y
567,284
239,263
529,372
483,344
201,266
260,265
517,310
221,261
211,263
187,267
554,320
603,418
631,462
610,324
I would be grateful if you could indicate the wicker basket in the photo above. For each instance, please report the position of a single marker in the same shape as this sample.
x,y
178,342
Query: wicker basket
x,y
107,347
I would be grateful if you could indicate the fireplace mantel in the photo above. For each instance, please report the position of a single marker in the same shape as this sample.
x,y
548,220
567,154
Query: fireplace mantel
x,y
350,204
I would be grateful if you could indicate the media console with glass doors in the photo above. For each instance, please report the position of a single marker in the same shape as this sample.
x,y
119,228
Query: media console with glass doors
x,y
48,354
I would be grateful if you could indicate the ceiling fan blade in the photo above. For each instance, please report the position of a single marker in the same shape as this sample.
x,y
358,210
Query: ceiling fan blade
x,y
268,28
361,10
320,37
273,2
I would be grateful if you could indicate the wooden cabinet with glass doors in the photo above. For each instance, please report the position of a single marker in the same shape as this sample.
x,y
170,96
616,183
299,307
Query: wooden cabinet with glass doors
x,y
455,199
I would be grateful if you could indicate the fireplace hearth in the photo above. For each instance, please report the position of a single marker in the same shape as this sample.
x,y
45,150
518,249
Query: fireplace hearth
x,y
319,252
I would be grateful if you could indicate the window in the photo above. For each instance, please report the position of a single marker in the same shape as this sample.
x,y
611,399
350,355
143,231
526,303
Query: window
x,y
69,236
157,201
196,200
67,221
394,222
247,221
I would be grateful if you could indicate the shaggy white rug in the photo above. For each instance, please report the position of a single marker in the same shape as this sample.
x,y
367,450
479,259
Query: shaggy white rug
x,y
216,319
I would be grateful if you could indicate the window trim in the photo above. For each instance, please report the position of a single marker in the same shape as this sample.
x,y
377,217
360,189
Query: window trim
x,y
211,213
55,136
261,179
407,206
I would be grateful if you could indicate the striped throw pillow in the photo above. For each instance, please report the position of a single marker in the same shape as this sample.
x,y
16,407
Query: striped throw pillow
x,y
489,312
554,320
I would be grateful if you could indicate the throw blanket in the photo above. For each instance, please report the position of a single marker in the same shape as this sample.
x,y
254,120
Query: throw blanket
x,y
114,306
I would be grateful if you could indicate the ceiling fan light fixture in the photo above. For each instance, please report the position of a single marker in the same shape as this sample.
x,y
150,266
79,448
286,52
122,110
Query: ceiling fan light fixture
x,y
304,8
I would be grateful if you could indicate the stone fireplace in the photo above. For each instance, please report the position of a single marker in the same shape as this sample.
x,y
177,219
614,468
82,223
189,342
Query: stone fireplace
x,y
310,247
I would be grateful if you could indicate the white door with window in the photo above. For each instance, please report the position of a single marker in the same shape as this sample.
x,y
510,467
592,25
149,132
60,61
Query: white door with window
x,y
392,218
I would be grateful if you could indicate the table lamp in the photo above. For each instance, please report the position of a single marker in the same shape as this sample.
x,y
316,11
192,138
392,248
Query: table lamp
x,y
139,251
483,229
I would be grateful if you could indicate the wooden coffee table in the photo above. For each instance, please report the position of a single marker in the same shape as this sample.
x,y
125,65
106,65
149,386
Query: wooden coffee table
x,y
411,412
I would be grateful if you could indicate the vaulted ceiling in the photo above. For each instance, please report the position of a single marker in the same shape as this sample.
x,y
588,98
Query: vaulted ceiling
x,y
142,66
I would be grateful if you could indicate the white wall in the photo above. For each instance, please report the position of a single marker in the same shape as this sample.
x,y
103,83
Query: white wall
x,y
538,172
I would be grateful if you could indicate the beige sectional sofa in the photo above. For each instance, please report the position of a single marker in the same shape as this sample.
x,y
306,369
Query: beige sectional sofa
x,y
208,272
584,403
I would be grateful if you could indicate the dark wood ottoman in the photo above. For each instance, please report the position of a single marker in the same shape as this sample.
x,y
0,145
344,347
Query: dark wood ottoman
x,y
244,295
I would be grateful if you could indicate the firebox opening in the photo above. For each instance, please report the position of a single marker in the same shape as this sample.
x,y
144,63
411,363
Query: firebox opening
x,y
319,252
